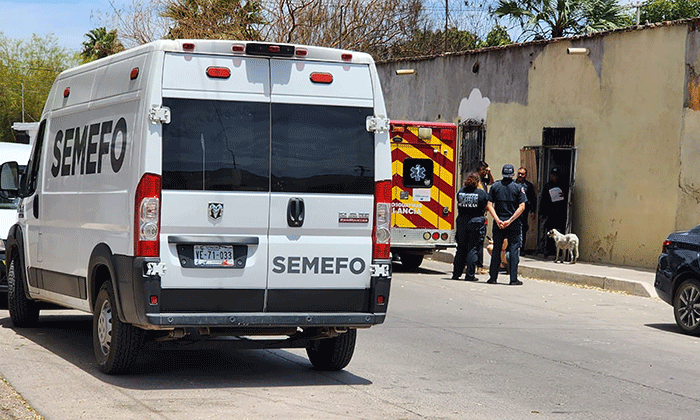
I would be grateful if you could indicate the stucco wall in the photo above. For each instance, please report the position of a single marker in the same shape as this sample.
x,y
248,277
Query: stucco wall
x,y
626,102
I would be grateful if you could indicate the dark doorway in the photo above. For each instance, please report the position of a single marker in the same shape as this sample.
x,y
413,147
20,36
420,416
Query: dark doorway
x,y
557,151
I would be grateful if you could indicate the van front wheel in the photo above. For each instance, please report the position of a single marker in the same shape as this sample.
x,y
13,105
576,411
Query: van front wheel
x,y
116,344
332,353
23,312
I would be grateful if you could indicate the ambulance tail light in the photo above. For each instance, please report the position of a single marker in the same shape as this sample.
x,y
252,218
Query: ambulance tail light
x,y
147,217
382,221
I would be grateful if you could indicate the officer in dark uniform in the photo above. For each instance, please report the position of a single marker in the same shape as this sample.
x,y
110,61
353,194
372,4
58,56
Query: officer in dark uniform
x,y
530,206
471,229
506,203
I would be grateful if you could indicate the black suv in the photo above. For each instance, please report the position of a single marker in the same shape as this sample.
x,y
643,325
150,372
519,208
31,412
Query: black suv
x,y
678,278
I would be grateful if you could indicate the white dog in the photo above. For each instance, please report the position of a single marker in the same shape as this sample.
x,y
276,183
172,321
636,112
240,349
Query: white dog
x,y
565,243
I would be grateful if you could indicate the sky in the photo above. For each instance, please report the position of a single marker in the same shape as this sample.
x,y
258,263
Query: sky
x,y
69,21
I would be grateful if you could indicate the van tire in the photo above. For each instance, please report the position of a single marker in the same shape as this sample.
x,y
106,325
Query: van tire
x,y
332,353
23,312
411,262
116,343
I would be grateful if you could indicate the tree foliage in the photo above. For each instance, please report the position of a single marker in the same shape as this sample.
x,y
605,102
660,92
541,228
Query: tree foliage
x,y
557,18
384,28
425,42
663,10
100,43
213,19
29,68
496,37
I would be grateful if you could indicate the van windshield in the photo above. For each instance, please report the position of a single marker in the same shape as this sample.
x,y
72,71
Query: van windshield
x,y
258,146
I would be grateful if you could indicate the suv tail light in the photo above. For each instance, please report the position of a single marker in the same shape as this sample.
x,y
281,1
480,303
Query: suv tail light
x,y
666,244
382,221
147,217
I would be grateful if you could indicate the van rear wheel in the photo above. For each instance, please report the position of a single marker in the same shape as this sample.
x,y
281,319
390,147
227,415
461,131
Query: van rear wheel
x,y
23,312
116,344
332,353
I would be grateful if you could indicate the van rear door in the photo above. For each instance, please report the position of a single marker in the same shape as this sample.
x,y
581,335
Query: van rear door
x,y
322,187
215,186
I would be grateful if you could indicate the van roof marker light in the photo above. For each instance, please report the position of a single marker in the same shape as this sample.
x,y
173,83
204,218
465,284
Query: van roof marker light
x,y
66,92
218,72
301,52
325,78
238,48
346,57
188,46
134,73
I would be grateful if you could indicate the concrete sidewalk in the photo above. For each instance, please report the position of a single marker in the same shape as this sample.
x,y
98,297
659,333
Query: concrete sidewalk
x,y
635,281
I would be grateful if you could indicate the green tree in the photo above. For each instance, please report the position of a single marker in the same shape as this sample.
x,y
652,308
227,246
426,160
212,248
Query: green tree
x,y
100,43
663,10
497,36
27,71
557,18
214,19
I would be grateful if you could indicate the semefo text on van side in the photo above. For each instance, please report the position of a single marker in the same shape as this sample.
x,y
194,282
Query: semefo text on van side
x,y
316,265
73,149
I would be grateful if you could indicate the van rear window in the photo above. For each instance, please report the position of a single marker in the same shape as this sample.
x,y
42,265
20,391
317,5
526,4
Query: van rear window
x,y
235,146
321,149
216,145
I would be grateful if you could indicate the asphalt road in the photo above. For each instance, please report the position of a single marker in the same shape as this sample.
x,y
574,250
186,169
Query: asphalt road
x,y
448,350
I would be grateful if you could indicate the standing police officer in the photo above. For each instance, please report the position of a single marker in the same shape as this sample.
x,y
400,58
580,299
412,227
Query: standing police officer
x,y
471,229
506,203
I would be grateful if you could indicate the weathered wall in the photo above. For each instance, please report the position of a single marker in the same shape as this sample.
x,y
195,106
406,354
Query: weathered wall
x,y
688,187
626,101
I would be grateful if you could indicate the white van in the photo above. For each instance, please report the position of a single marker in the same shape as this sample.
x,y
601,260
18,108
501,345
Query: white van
x,y
209,188
9,152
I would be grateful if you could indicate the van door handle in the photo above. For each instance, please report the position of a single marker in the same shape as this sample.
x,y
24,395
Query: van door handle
x,y
295,212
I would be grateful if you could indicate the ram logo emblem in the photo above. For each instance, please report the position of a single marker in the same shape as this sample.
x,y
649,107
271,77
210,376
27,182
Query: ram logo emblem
x,y
216,210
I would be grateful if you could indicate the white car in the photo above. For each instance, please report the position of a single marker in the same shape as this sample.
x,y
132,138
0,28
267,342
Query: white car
x,y
8,206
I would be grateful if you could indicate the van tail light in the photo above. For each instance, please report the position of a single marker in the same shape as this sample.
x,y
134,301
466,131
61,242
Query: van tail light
x,y
147,217
382,221
664,247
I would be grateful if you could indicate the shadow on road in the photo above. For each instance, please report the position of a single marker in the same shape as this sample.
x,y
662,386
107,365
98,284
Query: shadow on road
x,y
666,327
399,268
180,366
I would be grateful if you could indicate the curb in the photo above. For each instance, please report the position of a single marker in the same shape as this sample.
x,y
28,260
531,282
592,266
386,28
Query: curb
x,y
608,283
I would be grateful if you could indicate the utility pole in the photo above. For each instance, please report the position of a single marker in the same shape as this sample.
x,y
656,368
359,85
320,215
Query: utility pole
x,y
22,102
340,31
447,18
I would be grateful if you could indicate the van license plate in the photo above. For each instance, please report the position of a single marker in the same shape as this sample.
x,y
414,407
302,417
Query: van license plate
x,y
213,256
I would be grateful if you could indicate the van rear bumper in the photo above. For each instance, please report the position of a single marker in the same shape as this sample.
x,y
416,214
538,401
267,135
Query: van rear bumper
x,y
180,320
138,285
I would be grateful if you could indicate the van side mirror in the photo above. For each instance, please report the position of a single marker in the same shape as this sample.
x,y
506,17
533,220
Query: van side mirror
x,y
9,178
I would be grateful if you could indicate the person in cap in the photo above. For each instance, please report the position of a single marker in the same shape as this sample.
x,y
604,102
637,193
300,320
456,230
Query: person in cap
x,y
553,210
530,206
506,203
471,229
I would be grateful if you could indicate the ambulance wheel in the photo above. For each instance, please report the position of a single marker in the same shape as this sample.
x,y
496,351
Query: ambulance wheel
x,y
23,312
411,261
332,353
116,344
